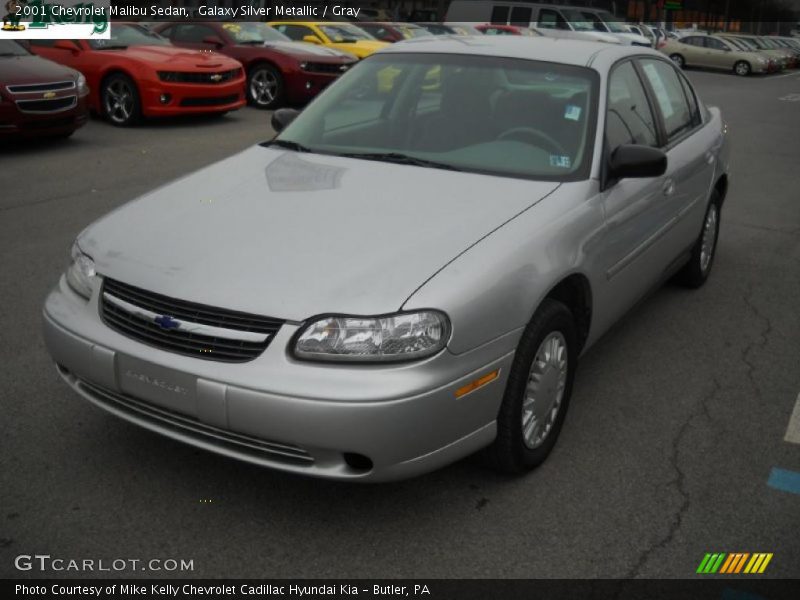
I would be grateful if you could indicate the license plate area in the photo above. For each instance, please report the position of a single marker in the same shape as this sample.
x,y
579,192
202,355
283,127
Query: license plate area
x,y
156,384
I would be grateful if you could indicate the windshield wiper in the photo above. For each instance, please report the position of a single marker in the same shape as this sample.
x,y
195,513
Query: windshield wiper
x,y
288,144
402,159
114,47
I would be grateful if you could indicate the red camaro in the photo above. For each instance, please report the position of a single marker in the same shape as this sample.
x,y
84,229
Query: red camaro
x,y
279,71
37,96
138,73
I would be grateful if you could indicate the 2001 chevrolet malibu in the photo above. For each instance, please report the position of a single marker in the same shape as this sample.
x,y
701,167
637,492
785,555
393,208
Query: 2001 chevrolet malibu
x,y
409,272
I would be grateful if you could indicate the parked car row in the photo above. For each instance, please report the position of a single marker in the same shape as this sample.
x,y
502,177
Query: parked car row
x,y
741,54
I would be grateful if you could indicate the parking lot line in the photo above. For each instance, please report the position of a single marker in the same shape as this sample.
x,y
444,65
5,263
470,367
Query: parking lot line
x,y
786,481
793,430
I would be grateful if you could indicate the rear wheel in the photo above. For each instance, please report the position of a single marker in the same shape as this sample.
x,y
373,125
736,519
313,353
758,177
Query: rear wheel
x,y
697,270
678,60
265,88
537,394
121,104
742,68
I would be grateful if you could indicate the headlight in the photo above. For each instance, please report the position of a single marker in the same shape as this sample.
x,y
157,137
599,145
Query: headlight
x,y
81,273
83,87
404,336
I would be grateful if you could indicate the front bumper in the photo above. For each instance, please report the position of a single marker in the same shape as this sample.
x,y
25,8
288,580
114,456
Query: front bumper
x,y
189,98
16,123
312,419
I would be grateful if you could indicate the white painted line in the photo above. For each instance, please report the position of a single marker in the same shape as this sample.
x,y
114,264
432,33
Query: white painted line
x,y
793,431
782,76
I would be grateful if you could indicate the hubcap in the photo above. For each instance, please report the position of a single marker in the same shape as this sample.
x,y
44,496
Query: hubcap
x,y
263,87
709,238
544,393
741,68
119,102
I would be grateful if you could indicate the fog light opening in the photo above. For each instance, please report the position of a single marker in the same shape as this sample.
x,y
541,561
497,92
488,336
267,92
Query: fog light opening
x,y
165,98
359,462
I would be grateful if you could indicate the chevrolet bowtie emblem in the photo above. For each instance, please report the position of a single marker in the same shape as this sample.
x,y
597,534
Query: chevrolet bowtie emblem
x,y
48,95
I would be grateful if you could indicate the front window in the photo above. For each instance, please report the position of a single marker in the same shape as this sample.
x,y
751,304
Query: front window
x,y
343,32
122,36
502,116
613,23
9,48
253,33
578,20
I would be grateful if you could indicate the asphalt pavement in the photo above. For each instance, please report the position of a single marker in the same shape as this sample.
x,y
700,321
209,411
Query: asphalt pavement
x,y
677,420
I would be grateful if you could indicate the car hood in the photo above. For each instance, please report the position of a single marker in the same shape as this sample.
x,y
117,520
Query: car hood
x,y
172,56
294,235
303,50
32,69
360,48
633,38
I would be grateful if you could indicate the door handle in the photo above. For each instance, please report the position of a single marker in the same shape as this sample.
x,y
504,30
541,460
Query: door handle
x,y
668,188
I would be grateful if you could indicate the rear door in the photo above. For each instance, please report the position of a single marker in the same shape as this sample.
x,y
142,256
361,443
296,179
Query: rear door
x,y
689,147
719,54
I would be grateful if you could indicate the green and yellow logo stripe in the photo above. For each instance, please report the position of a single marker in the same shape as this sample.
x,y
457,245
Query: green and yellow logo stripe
x,y
734,563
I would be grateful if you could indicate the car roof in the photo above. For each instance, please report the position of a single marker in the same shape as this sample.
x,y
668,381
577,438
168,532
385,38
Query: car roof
x,y
548,49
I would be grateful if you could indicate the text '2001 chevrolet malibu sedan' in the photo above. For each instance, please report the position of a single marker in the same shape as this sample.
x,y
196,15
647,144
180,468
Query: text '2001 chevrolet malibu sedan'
x,y
409,272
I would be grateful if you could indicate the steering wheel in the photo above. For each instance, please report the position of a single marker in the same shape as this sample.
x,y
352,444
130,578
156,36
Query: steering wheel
x,y
530,132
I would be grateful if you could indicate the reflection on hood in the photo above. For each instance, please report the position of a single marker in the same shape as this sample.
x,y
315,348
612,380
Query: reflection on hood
x,y
290,173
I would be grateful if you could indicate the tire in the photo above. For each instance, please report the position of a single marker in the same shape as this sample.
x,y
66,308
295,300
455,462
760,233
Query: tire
x,y
265,87
513,451
696,271
678,60
742,68
120,101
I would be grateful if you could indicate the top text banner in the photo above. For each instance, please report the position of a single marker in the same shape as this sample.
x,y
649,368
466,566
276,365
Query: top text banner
x,y
90,19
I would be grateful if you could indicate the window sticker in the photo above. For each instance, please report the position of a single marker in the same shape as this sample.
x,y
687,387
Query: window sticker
x,y
572,112
560,161
661,92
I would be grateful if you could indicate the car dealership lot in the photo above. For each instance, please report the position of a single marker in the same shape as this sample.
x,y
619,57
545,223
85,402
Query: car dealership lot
x,y
677,418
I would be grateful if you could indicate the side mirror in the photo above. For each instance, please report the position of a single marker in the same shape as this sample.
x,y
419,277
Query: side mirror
x,y
311,39
634,160
282,117
214,40
67,45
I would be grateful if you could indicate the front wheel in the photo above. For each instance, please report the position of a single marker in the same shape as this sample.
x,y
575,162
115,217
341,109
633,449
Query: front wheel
x,y
678,60
265,88
697,270
538,390
121,104
742,68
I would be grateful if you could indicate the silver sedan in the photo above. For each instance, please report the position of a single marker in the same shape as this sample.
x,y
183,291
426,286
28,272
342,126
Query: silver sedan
x,y
409,272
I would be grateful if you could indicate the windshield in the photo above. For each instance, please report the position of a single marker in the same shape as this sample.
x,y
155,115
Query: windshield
x,y
122,36
736,44
9,48
249,33
612,22
344,32
502,116
414,32
578,20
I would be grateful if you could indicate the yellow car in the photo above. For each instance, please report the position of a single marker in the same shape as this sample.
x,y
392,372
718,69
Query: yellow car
x,y
342,36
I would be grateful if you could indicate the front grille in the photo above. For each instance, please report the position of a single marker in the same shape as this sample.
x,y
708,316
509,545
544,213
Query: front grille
x,y
41,87
128,309
188,426
210,101
199,77
47,106
325,68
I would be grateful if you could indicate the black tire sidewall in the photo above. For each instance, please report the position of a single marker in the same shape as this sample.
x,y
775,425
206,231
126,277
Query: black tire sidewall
x,y
511,453
278,100
137,103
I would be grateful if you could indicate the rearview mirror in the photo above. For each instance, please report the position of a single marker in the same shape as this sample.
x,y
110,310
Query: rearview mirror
x,y
67,45
214,41
282,117
634,160
311,39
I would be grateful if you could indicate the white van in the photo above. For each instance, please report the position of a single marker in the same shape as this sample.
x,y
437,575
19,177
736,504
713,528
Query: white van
x,y
555,21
